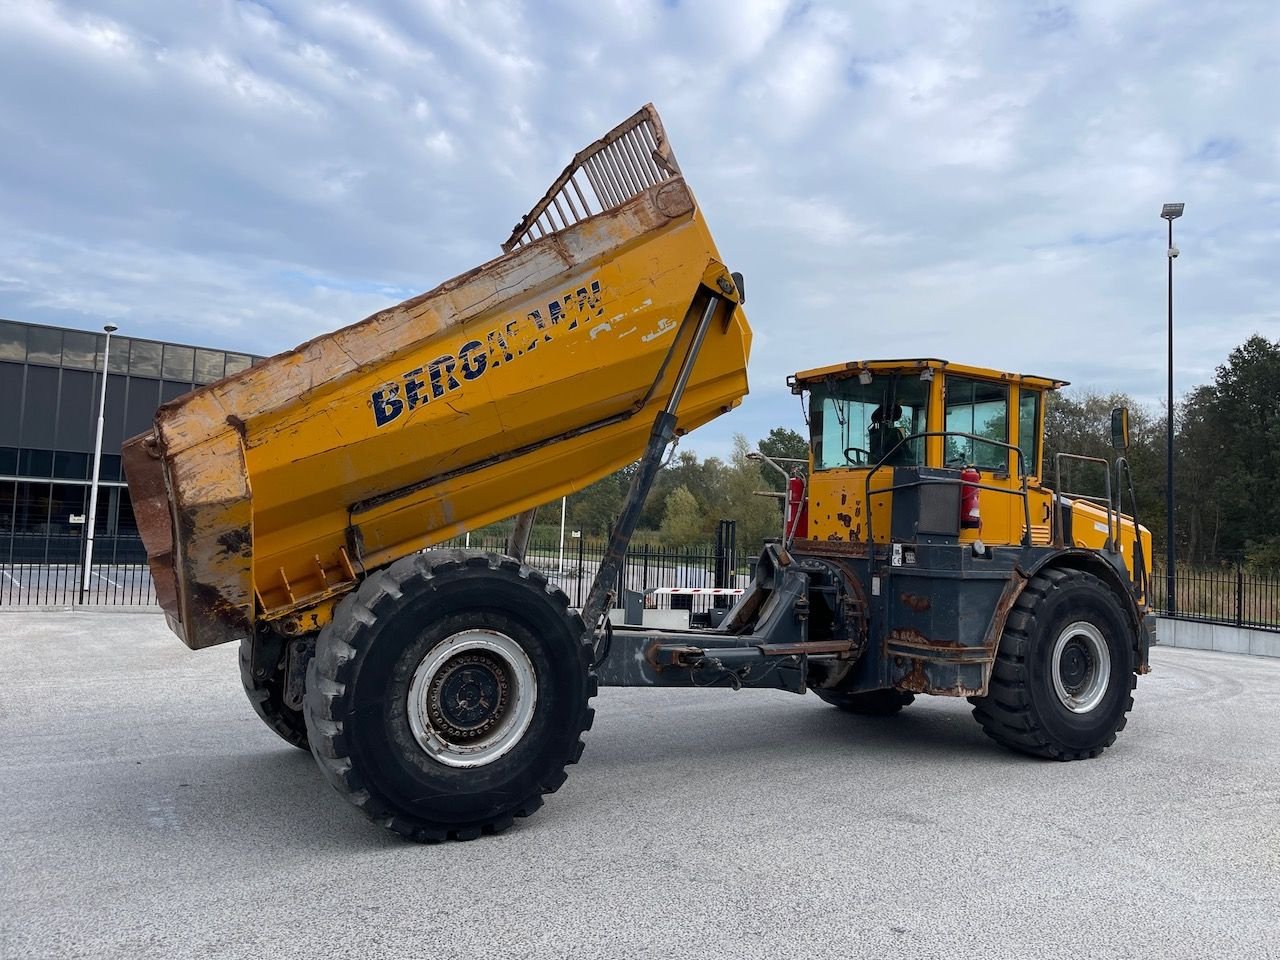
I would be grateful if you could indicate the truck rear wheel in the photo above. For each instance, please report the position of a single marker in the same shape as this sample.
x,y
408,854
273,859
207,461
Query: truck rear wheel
x,y
868,703
267,697
1063,678
449,693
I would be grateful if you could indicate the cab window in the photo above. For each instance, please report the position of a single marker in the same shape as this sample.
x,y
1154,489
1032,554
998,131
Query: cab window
x,y
855,424
982,409
1029,429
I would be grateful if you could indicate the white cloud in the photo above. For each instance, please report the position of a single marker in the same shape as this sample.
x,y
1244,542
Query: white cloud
x,y
967,179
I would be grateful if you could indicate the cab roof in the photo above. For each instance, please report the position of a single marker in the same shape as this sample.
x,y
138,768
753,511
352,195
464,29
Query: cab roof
x,y
840,371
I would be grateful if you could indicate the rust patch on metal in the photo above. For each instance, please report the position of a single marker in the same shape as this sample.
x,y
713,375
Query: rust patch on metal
x,y
914,638
143,468
661,655
833,546
1008,597
844,518
915,680
909,636
916,602
238,542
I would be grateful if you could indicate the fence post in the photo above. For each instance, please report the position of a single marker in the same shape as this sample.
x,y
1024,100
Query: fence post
x,y
1239,595
581,541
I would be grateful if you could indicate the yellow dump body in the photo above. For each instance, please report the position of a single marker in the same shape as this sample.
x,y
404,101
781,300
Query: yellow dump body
x,y
265,496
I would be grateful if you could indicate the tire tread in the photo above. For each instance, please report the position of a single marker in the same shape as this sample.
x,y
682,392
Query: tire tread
x,y
1006,713
329,690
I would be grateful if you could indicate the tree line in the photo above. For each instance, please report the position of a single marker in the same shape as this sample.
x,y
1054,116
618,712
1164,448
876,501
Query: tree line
x,y
1227,454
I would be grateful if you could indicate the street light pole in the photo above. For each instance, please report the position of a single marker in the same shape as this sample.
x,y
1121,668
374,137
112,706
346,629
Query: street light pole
x,y
110,328
1170,212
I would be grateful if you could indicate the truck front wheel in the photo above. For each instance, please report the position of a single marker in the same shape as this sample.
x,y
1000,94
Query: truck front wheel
x,y
449,693
1063,678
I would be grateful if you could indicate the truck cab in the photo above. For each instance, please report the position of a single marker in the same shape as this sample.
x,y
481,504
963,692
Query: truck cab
x,y
939,452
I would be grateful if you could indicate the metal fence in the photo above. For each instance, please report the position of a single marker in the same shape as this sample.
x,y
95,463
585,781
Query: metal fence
x,y
40,570
46,570
646,567
1227,594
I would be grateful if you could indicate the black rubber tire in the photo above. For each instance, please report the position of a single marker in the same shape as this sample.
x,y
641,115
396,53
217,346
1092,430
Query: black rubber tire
x,y
267,697
868,703
359,680
1021,709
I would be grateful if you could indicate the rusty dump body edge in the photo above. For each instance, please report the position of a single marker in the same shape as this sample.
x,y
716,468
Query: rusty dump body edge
x,y
266,496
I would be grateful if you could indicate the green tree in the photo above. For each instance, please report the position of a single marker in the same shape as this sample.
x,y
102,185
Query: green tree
x,y
1079,422
782,444
1228,456
758,517
595,508
683,522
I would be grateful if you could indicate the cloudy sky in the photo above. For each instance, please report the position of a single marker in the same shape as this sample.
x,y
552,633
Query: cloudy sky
x,y
979,181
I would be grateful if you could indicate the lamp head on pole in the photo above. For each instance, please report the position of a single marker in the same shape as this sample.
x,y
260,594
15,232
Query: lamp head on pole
x,y
1172,211
110,328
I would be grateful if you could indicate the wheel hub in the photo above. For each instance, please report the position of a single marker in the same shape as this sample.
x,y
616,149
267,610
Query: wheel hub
x,y
1081,667
471,698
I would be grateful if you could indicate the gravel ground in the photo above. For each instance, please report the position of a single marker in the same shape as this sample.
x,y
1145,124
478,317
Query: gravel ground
x,y
146,812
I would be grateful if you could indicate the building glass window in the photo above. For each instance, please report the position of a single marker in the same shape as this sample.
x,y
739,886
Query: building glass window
x,y
109,467
237,362
178,362
209,365
13,341
44,345
68,465
35,463
66,499
79,350
118,362
144,358
8,504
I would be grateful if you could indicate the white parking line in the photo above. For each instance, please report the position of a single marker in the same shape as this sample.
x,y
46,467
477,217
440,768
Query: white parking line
x,y
108,579
11,579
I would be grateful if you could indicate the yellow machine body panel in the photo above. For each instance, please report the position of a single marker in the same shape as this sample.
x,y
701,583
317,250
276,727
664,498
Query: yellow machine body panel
x,y
934,401
268,494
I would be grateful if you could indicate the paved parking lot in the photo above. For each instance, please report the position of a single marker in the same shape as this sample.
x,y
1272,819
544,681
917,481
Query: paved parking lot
x,y
145,812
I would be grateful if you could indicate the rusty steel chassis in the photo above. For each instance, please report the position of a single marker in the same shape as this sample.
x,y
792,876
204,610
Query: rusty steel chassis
x,y
921,618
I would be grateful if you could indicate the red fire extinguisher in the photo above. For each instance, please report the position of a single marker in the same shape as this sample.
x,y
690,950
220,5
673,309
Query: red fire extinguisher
x,y
797,509
970,515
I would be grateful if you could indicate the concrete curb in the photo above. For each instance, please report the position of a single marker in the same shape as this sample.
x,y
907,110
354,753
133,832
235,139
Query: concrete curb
x,y
1193,635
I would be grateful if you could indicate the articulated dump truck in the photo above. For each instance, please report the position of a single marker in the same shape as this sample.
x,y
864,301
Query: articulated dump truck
x,y
294,509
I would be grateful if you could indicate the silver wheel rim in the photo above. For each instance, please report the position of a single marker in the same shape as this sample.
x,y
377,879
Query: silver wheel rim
x,y
1081,666
471,698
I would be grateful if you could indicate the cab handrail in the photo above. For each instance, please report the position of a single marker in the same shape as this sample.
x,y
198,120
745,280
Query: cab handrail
x,y
1022,472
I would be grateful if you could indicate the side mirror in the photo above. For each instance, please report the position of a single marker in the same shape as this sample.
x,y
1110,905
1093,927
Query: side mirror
x,y
1120,428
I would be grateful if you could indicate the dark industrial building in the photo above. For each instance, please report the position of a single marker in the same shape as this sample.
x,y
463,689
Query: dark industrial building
x,y
50,381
